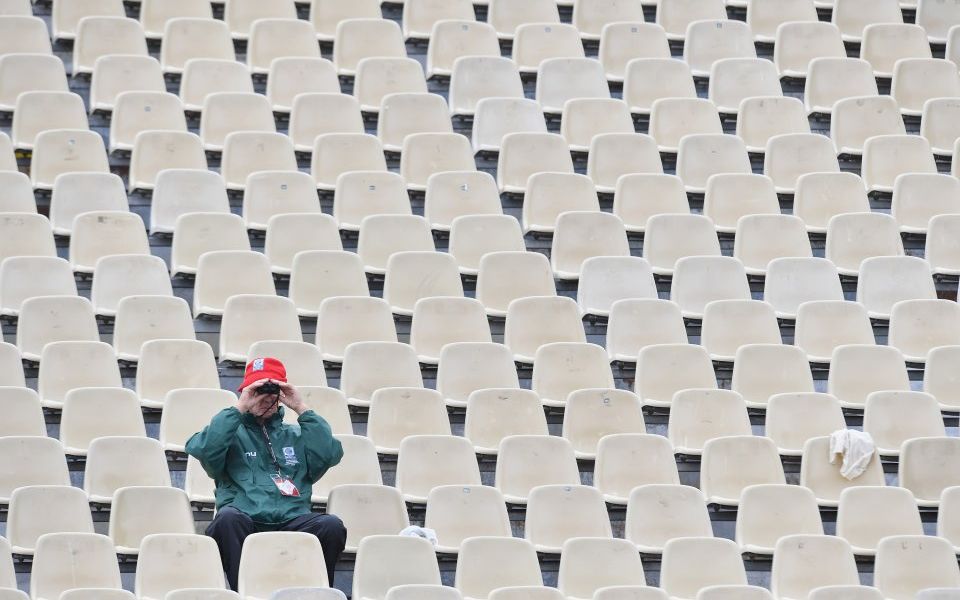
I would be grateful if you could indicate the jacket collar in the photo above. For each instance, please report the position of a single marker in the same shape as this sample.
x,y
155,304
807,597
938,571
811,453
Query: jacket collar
x,y
273,422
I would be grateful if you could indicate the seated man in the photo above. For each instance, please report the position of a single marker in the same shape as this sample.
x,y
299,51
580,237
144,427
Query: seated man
x,y
264,469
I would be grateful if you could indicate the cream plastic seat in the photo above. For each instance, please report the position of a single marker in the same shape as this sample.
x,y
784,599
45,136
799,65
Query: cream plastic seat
x,y
271,193
19,281
327,14
119,276
466,367
709,41
425,592
11,367
249,318
359,476
935,593
383,235
630,592
790,156
928,466
197,233
650,79
318,113
155,15
319,274
302,360
763,239
697,158
327,402
724,592
192,38
474,236
65,561
730,196
45,319
579,236
699,280
24,413
82,418
359,38
197,484
135,112
523,154
138,512
868,514
474,79
76,193
95,594
837,592
770,512
203,77
730,324
852,16
40,111
819,196
498,412
940,247
604,280
66,365
289,234
853,238
759,463
451,39
675,15
919,326
399,413
187,411
335,154
947,516
823,325
496,117
591,17
761,118
224,113
640,196
427,461
613,155
344,320
937,20
687,569
181,559
733,80
624,41
216,281
507,15
378,77
99,234
21,72
561,368
802,563
166,365
368,510
527,461
617,470
385,561
183,191
66,150
886,43
535,42
273,38
586,118
534,321
885,280
849,365
762,370
438,322
426,154
413,275
658,377
909,563
831,80
824,478
549,195
797,43
593,413
453,194
156,151
276,559
673,118
660,512
459,512
247,152
557,514
916,80
117,462
488,563
938,376
240,15
100,36
31,460
507,276
562,79
22,32
938,124
794,418
635,323
918,197
402,114
591,564
290,76
700,415
887,156
18,197
856,119
39,509
369,366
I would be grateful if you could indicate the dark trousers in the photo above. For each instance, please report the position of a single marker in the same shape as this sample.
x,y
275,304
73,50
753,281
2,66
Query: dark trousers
x,y
230,527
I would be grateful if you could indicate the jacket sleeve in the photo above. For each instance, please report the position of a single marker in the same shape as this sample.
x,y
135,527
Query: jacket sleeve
x,y
211,445
322,449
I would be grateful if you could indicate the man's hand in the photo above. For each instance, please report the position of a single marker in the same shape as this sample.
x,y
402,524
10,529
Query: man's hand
x,y
290,398
248,398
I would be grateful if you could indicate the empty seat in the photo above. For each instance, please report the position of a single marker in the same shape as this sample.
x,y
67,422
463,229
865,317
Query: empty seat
x,y
138,512
45,319
100,36
886,280
19,195
916,80
947,516
938,124
100,234
909,563
360,194
528,461
583,235
640,196
535,42
95,593
797,43
940,248
605,280
359,38
759,463
507,15
488,563
693,563
82,418
338,153
857,119
617,470
365,369
66,150
886,43
763,239
938,376
39,509
426,592
919,326
186,38
657,378
119,276
733,80
819,196
155,15
317,113
790,156
659,512
75,193
249,318
937,20
868,514
465,367
117,462
562,79
453,39
650,79
697,416
452,194
928,466
327,402
70,365
23,33
327,14
591,17
850,81
550,194
534,321
495,413
427,461
402,114
228,112
850,363
730,324
624,41
65,561
699,280
855,237
378,77
474,236
29,72
290,76
40,111
383,235
802,563
823,325
425,154
272,38
496,117
240,15
198,233
852,16
135,112
203,77
413,275
636,323
215,281
19,281
459,512
730,196
918,197
474,79
675,15
586,118
697,158
823,477
384,561
187,411
612,155
168,561
272,560
155,151
441,321
246,152
557,514
30,460
762,118
344,320
399,413
358,474
673,118
24,413
523,154
770,512
763,370
712,40
887,156
506,276
555,377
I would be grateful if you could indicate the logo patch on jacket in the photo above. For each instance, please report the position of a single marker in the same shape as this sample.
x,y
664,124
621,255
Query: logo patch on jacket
x,y
289,455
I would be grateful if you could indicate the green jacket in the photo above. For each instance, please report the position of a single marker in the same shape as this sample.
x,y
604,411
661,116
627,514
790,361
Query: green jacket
x,y
234,452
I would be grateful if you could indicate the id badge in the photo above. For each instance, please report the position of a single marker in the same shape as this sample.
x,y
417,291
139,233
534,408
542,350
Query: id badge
x,y
285,486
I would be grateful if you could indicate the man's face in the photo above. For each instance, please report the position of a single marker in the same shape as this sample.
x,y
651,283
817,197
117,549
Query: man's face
x,y
266,405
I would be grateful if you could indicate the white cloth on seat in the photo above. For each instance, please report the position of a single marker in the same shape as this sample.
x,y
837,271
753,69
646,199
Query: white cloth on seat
x,y
855,448
423,532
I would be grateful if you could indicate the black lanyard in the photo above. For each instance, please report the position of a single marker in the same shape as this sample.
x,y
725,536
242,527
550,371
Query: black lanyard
x,y
273,456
